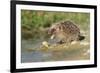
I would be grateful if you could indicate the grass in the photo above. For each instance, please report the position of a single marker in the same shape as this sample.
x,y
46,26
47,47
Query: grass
x,y
31,21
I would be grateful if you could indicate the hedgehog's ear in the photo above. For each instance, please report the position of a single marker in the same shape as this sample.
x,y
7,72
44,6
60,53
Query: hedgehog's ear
x,y
58,28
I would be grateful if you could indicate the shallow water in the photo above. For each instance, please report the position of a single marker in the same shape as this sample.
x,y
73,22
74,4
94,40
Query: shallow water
x,y
42,56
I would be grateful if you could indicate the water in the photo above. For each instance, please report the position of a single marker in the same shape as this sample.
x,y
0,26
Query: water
x,y
43,56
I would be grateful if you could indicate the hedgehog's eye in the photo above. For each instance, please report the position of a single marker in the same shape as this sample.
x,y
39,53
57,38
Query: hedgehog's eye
x,y
59,28
51,31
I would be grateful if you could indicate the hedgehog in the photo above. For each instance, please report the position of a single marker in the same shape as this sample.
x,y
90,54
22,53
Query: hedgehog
x,y
65,32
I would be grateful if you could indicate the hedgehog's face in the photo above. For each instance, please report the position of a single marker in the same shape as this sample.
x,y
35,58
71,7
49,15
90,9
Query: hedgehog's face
x,y
52,31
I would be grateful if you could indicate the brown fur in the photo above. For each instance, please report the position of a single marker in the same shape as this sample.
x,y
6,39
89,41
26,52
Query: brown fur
x,y
65,31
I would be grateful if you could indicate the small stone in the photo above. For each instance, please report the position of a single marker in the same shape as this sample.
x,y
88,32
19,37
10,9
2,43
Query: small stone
x,y
45,43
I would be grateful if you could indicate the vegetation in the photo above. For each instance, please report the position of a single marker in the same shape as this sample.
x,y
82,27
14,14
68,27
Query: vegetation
x,y
35,22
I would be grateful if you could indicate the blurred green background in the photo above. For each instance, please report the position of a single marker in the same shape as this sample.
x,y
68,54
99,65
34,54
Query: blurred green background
x,y
36,22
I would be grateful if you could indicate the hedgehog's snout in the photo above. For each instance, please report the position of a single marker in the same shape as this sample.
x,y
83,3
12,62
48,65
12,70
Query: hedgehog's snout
x,y
49,31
